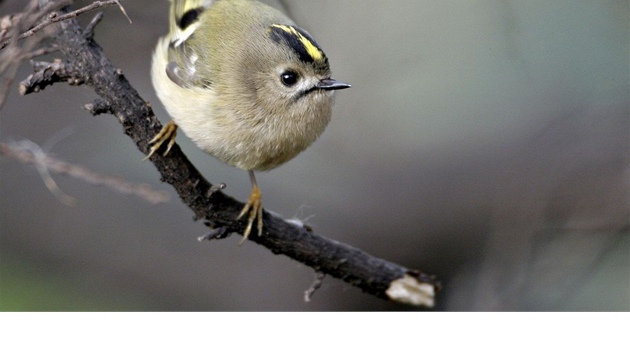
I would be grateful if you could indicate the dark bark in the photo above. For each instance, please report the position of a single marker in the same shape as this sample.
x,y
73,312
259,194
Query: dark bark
x,y
85,63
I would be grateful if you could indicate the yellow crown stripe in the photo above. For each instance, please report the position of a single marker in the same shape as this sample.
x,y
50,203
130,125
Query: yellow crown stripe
x,y
311,48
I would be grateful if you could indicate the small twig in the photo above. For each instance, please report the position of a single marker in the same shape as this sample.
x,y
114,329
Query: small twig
x,y
30,153
54,17
218,233
11,58
319,279
45,75
14,24
215,189
38,158
122,9
89,29
99,106
39,52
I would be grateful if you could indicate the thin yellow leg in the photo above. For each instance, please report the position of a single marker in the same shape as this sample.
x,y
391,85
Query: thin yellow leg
x,y
253,208
168,132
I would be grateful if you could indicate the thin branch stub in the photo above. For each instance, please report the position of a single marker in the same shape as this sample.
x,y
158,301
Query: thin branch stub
x,y
45,75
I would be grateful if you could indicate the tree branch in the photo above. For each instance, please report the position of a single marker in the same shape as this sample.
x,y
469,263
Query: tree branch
x,y
30,153
86,63
54,17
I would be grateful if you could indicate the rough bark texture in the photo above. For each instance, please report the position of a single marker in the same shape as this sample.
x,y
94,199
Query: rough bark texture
x,y
85,63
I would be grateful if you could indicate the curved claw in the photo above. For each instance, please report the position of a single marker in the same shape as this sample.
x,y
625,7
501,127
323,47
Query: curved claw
x,y
168,132
254,209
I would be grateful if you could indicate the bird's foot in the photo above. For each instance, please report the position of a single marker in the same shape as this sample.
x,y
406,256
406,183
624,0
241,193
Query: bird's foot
x,y
168,133
254,209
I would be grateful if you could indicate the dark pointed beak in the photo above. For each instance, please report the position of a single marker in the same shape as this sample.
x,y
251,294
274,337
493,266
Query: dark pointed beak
x,y
332,84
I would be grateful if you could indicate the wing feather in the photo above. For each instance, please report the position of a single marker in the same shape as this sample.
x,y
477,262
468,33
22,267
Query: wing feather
x,y
181,57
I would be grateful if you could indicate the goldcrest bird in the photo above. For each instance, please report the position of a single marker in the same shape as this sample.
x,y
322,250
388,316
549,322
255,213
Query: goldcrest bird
x,y
245,84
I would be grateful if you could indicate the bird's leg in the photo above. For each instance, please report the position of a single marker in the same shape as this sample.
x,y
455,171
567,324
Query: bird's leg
x,y
254,208
168,132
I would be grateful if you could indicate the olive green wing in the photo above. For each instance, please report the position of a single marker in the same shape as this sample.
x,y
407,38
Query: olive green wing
x,y
182,57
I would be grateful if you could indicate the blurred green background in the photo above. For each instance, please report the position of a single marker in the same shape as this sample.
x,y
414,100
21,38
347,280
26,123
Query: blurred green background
x,y
486,142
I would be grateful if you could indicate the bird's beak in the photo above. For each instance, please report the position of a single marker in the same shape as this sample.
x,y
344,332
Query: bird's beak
x,y
332,84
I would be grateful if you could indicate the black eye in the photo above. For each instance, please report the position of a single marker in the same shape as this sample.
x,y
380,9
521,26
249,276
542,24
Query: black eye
x,y
289,78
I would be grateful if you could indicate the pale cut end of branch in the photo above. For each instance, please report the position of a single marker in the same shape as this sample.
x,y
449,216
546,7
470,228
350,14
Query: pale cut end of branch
x,y
411,291
319,279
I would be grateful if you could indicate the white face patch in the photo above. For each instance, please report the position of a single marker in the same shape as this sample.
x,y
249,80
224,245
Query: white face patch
x,y
305,82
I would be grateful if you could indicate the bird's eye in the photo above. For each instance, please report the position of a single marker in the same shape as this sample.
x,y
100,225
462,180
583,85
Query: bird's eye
x,y
289,78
